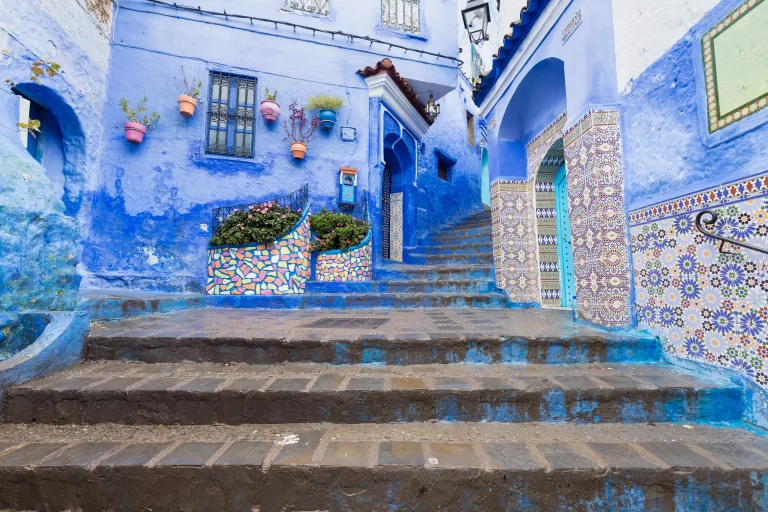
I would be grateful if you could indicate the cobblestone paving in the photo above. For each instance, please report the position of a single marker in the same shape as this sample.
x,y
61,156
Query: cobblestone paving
x,y
352,324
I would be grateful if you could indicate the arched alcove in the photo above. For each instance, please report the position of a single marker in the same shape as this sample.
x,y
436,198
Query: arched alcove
x,y
60,147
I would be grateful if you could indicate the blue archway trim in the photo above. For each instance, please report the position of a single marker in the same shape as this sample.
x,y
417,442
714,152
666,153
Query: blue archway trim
x,y
512,42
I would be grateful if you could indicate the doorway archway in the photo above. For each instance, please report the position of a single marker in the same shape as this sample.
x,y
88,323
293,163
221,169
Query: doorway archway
x,y
395,199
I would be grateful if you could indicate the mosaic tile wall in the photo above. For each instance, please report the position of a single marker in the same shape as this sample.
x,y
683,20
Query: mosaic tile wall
x,y
281,268
345,266
598,223
514,240
546,226
706,306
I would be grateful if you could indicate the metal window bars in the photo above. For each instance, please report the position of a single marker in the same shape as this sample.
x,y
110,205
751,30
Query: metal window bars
x,y
295,200
319,7
401,15
231,114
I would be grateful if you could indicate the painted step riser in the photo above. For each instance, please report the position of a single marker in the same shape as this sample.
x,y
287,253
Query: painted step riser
x,y
457,240
463,232
458,259
358,301
396,352
485,274
236,488
355,406
406,286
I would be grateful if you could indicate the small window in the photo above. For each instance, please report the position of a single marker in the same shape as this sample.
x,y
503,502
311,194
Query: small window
x,y
470,129
231,115
317,7
401,15
442,170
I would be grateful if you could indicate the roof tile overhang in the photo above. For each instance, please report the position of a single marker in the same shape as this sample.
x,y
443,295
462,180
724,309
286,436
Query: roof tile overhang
x,y
512,41
386,67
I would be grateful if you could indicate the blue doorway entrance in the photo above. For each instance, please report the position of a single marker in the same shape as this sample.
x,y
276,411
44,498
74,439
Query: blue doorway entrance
x,y
565,245
485,182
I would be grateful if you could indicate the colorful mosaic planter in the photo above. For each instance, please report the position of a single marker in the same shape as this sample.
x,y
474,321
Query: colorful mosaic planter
x,y
280,268
706,306
353,264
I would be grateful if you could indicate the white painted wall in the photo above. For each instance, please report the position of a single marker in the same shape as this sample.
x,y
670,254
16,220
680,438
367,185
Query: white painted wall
x,y
645,29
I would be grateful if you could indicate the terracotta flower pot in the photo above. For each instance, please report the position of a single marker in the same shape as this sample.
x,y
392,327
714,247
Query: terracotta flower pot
x,y
187,105
134,132
298,150
270,110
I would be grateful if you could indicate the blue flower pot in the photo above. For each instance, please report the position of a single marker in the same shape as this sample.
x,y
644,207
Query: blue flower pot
x,y
327,118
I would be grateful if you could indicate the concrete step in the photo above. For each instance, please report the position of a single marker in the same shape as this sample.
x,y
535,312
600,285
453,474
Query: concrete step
x,y
405,286
394,337
202,394
451,239
459,232
420,466
468,248
362,300
400,271
455,259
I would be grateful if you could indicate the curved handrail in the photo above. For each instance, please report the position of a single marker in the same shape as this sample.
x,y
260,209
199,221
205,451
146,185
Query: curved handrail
x,y
711,223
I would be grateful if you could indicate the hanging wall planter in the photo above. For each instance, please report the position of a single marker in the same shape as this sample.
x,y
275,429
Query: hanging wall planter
x,y
298,134
270,110
134,132
191,95
298,150
136,126
327,118
187,105
328,105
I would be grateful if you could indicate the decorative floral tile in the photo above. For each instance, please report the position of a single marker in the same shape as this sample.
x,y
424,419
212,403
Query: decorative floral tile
x,y
707,306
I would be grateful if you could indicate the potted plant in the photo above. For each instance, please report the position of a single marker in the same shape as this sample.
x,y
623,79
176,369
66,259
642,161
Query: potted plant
x,y
191,95
259,223
328,105
299,132
270,110
336,231
136,126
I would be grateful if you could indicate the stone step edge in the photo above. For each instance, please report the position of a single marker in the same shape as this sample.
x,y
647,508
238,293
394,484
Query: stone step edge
x,y
318,448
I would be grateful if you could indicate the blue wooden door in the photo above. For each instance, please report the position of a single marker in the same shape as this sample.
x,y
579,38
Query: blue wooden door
x,y
564,243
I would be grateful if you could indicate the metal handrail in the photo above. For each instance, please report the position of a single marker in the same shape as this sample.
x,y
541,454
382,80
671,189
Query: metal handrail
x,y
723,240
295,200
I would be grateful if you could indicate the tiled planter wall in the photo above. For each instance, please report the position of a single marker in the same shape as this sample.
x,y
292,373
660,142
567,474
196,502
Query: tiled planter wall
x,y
281,268
706,306
352,264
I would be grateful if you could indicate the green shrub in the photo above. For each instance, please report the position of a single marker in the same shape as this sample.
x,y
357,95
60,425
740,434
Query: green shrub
x,y
262,223
336,230
324,101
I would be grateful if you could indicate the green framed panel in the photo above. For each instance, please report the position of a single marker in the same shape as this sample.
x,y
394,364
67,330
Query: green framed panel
x,y
735,55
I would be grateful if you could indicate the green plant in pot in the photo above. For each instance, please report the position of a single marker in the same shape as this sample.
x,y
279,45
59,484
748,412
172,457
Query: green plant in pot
x,y
260,223
328,105
336,230
138,121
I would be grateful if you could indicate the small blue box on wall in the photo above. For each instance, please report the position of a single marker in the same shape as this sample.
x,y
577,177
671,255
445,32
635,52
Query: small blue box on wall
x,y
347,186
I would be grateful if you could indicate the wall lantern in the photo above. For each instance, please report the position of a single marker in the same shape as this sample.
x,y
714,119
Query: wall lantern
x,y
476,17
433,109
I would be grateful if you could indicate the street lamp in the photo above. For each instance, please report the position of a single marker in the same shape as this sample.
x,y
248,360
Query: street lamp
x,y
433,109
476,17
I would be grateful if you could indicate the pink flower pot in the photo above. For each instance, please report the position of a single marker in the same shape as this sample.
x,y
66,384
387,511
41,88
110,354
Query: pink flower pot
x,y
134,132
270,111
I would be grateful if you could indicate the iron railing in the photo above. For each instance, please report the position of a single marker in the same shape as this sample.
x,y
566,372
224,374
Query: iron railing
x,y
360,209
295,200
708,231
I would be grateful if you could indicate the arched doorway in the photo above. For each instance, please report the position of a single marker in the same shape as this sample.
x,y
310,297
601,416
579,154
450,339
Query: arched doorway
x,y
553,230
393,204
485,180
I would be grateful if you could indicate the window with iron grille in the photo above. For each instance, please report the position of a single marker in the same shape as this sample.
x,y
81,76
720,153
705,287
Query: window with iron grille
x,y
231,115
401,15
319,7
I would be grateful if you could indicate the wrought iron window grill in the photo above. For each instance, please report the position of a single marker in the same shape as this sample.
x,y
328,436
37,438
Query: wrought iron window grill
x,y
295,200
319,7
360,209
401,15
231,114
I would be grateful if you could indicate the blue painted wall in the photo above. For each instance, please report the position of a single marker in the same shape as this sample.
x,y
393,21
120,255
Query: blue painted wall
x,y
150,218
39,221
667,151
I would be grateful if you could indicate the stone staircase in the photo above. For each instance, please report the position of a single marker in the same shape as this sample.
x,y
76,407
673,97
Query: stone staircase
x,y
434,409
